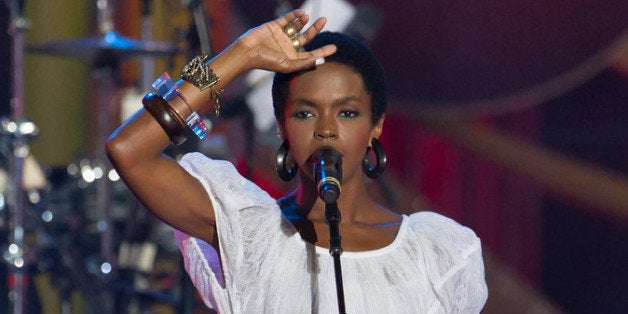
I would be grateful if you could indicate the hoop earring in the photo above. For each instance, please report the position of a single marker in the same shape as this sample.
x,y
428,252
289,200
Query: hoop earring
x,y
285,173
380,158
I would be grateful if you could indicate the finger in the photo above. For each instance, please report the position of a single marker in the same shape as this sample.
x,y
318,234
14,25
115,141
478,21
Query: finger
x,y
305,60
301,22
293,29
303,64
290,17
312,31
318,53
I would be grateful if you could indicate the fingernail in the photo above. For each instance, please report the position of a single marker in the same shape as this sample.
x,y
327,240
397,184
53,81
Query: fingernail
x,y
319,61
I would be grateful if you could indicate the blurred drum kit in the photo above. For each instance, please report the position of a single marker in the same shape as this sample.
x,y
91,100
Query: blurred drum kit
x,y
76,238
85,233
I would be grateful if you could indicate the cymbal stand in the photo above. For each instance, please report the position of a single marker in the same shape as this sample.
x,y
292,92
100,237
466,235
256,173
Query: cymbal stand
x,y
198,14
19,130
148,63
103,76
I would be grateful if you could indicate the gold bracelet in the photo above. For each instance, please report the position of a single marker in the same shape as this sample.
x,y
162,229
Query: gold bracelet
x,y
215,95
202,76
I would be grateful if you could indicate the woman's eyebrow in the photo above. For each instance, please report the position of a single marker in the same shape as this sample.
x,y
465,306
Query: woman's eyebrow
x,y
301,101
347,99
304,102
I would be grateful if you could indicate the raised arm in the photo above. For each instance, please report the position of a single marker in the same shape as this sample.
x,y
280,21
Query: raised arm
x,y
135,148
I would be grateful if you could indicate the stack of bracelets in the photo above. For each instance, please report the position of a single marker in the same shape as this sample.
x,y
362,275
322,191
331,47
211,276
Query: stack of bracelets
x,y
170,108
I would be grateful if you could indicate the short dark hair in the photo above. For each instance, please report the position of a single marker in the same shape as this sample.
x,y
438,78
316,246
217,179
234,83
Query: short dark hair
x,y
350,52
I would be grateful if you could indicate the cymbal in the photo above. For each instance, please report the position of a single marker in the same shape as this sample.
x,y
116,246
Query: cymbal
x,y
110,44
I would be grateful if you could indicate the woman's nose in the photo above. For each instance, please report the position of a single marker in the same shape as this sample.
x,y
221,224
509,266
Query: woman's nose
x,y
325,129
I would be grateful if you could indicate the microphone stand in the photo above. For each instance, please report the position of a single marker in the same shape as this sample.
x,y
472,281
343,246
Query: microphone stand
x,y
332,218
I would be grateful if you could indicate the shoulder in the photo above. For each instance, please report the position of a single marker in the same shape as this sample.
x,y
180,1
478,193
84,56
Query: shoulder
x,y
222,181
453,255
443,232
196,161
429,221
214,172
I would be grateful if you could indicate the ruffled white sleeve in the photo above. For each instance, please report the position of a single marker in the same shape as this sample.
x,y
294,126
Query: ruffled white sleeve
x,y
453,256
247,220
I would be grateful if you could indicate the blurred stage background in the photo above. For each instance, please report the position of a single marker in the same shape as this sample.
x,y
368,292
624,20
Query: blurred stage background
x,y
509,116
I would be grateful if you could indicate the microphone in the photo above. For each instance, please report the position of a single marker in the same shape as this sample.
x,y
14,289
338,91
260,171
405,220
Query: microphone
x,y
327,164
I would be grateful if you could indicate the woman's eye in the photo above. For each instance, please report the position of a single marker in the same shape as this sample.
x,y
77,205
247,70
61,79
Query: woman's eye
x,y
349,114
302,115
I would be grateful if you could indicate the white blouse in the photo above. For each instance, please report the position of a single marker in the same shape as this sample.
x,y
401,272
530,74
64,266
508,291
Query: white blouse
x,y
434,265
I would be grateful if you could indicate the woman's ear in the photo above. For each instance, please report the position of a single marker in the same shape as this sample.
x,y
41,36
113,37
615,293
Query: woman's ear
x,y
281,131
378,127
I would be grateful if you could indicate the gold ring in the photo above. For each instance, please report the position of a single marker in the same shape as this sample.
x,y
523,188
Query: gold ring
x,y
290,31
295,42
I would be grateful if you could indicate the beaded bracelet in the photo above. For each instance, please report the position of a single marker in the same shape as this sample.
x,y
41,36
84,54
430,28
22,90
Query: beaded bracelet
x,y
170,122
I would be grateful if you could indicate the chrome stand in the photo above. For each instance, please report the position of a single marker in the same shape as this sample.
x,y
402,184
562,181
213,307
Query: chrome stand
x,y
18,130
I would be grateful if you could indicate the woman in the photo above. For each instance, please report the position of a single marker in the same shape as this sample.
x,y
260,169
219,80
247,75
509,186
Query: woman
x,y
249,253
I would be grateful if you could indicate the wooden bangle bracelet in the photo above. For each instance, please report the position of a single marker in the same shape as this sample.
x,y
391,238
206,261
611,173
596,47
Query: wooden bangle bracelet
x,y
168,119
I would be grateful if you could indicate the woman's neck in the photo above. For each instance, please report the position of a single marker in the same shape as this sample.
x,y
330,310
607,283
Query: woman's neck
x,y
364,224
354,203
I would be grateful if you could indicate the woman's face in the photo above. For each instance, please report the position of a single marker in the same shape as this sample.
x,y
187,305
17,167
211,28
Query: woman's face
x,y
329,106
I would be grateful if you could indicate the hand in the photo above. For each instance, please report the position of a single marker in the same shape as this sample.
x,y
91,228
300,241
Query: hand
x,y
269,47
